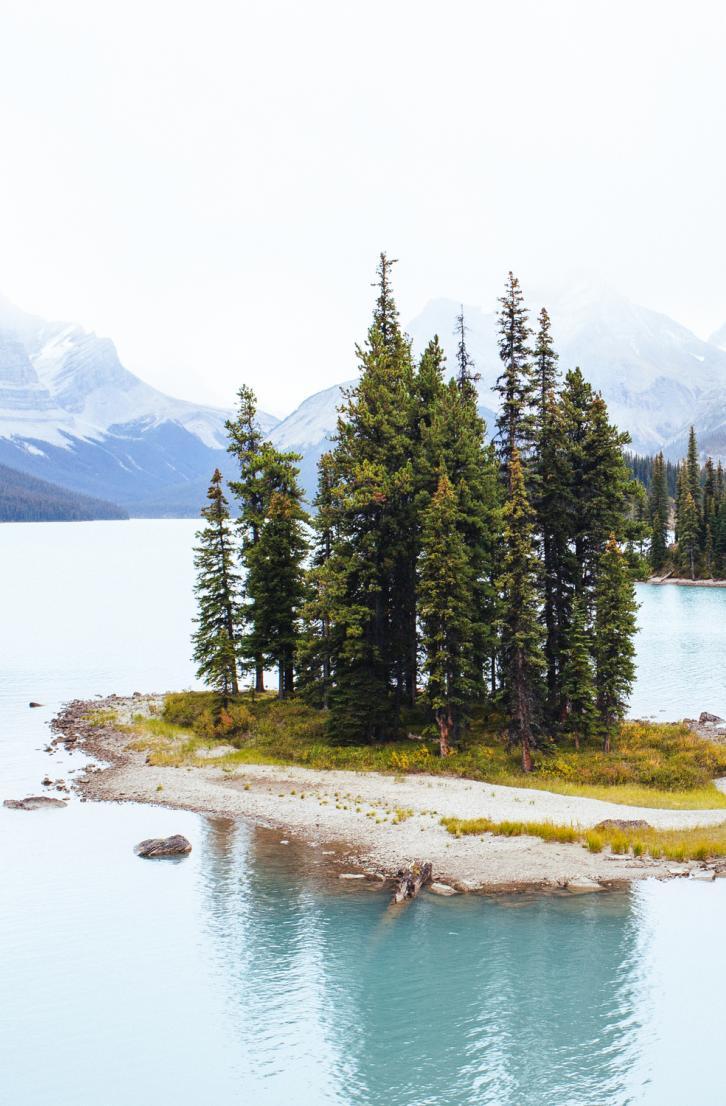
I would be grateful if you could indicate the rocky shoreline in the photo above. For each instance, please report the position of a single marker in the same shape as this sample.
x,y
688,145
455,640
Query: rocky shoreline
x,y
684,582
378,824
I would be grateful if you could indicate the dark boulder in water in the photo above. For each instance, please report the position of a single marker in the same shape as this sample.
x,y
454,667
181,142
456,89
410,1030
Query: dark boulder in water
x,y
34,704
176,845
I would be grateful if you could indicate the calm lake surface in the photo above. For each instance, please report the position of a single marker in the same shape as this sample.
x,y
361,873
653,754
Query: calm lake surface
x,y
245,973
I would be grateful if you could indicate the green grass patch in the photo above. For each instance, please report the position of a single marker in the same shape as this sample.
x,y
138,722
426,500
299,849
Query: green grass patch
x,y
699,843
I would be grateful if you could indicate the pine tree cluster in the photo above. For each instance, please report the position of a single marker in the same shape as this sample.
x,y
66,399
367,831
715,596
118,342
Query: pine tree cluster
x,y
440,572
698,517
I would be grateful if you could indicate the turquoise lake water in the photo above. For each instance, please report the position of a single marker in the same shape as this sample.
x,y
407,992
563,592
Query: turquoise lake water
x,y
246,973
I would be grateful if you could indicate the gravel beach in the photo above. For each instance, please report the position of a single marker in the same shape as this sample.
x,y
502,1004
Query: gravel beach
x,y
378,822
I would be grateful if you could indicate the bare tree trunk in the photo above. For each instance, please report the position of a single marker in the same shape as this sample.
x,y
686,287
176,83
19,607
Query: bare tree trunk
x,y
259,675
444,721
526,754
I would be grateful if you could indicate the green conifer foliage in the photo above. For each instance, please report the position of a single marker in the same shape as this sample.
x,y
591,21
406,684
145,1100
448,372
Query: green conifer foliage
x,y
245,444
544,369
659,509
217,588
446,606
688,533
578,681
521,644
614,652
693,471
376,532
515,383
550,488
466,376
317,647
275,583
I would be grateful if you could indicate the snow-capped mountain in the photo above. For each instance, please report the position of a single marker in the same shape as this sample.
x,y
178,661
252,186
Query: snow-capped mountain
x,y
71,412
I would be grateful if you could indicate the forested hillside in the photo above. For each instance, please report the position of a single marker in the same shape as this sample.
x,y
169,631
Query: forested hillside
x,y
24,498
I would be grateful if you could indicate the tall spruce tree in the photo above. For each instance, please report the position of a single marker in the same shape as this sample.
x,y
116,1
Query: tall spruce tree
x,y
446,605
317,647
376,534
245,444
275,574
515,384
217,588
466,376
659,514
693,471
545,373
452,435
521,641
549,490
615,625
688,533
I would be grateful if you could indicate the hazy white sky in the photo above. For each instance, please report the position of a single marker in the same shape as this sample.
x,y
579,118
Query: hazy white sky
x,y
210,183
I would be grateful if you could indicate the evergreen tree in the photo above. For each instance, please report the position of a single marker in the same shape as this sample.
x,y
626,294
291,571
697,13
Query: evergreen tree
x,y
545,369
615,625
466,376
275,575
447,601
515,383
453,436
578,683
521,645
659,512
316,649
693,471
375,548
219,610
245,444
688,533
550,490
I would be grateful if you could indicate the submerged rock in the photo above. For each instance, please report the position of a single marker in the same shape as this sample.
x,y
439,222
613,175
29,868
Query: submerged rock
x,y
705,874
581,885
33,802
176,845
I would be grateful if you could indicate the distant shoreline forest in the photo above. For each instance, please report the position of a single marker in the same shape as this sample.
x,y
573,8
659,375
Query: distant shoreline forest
x,y
25,498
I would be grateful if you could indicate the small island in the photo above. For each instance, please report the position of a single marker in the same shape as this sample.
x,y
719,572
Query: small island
x,y
482,823
451,627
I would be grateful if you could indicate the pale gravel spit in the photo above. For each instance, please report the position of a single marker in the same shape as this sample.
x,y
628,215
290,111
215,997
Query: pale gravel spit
x,y
337,803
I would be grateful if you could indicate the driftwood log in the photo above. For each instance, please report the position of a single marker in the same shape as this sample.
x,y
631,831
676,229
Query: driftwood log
x,y
409,881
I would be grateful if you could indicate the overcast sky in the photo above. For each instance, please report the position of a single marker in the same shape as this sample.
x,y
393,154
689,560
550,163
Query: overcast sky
x,y
210,183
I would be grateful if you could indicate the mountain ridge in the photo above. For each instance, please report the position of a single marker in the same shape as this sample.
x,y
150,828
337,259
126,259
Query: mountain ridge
x,y
71,413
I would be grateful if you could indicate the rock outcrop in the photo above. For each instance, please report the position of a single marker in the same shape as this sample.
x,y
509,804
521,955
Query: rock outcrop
x,y
153,847
33,802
